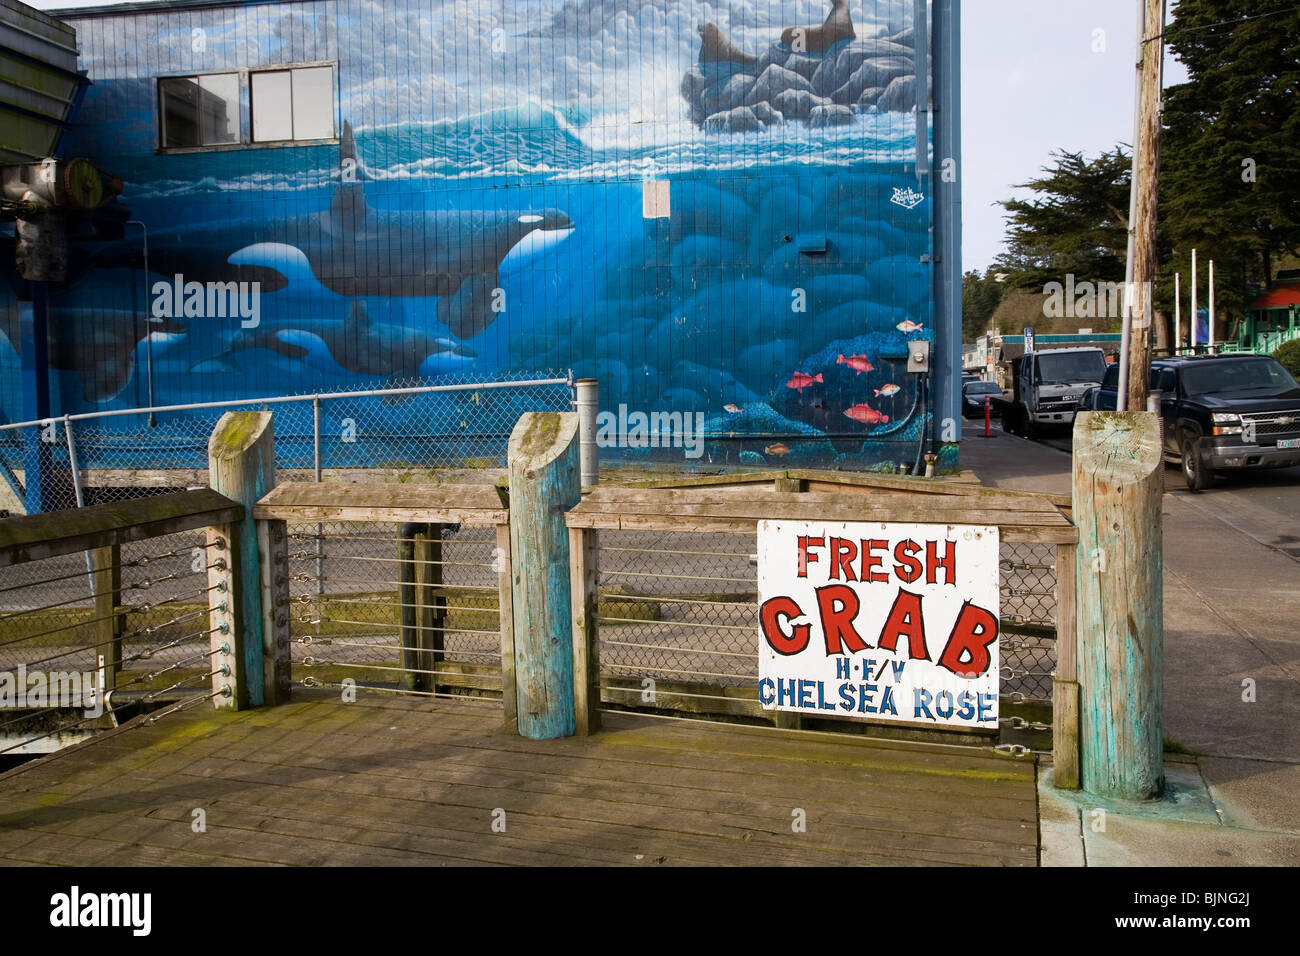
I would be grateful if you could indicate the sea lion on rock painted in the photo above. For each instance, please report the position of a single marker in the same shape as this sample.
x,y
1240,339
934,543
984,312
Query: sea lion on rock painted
x,y
716,48
838,26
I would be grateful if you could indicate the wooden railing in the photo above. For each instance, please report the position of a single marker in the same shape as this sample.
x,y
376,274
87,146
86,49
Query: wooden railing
x,y
54,622
1020,518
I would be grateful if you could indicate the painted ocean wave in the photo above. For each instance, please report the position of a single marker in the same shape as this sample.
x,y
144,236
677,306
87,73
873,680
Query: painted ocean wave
x,y
536,143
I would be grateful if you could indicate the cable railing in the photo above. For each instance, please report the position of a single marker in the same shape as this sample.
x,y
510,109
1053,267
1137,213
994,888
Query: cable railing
x,y
107,614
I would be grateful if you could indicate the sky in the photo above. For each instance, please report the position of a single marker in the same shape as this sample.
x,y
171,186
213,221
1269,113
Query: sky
x,y
1037,76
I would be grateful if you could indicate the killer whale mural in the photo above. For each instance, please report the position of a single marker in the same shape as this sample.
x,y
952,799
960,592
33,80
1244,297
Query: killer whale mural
x,y
484,212
355,250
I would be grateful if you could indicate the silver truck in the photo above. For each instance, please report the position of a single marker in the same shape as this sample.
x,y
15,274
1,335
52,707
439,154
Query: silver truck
x,y
1046,387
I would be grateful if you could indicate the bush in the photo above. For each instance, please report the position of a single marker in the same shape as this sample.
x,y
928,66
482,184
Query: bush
x,y
1289,356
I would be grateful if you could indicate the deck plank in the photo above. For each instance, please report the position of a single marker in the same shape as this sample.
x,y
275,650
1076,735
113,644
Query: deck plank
x,y
410,781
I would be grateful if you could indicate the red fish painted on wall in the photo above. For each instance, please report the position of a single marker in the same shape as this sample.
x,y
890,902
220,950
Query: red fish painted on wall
x,y
858,363
802,380
867,415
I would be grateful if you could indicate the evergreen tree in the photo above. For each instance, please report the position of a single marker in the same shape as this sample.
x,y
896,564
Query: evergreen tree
x,y
1078,222
1230,151
980,298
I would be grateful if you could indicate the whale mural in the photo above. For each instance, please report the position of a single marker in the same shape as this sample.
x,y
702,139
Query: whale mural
x,y
488,209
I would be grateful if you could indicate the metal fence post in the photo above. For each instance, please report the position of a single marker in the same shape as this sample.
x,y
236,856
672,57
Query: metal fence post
x,y
588,402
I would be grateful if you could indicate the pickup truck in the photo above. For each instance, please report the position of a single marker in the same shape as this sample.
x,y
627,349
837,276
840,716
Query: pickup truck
x,y
1221,413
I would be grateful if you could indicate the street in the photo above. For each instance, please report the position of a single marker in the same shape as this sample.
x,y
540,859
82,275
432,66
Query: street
x,y
1231,562
1263,504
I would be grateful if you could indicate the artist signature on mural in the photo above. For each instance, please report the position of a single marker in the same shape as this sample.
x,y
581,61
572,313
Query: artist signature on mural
x,y
908,198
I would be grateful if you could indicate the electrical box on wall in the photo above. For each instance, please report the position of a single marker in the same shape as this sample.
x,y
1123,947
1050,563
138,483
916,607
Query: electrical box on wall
x,y
918,356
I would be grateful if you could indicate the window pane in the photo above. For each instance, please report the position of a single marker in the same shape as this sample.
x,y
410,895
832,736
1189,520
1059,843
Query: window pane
x,y
272,106
313,103
219,108
178,99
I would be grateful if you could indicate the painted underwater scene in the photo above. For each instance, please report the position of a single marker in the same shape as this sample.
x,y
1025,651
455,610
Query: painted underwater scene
x,y
711,208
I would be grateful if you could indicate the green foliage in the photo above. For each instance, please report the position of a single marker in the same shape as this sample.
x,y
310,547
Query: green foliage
x,y
1077,223
1289,355
1229,166
980,297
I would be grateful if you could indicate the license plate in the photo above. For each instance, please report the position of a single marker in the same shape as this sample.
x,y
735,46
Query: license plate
x,y
1289,443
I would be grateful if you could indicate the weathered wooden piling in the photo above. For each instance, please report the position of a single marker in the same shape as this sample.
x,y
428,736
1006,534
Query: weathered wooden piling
x,y
544,484
1118,483
241,466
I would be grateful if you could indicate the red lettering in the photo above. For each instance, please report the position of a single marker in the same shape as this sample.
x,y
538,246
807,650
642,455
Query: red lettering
x,y
871,561
805,556
948,562
769,620
837,622
905,620
974,631
844,552
906,566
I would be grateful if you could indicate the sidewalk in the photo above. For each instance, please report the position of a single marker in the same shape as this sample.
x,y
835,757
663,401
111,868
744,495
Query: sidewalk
x,y
1232,616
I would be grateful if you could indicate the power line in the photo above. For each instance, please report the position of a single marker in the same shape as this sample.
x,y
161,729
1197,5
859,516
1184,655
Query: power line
x,y
1222,23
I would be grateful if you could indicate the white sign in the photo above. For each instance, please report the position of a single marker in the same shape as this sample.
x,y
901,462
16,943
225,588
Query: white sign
x,y
888,622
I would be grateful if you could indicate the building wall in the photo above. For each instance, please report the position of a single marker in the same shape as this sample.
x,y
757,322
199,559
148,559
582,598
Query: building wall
x,y
786,242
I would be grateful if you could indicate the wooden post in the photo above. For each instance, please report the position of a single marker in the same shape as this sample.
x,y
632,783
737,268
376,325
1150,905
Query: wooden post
x,y
1146,175
505,598
431,607
408,607
584,579
1118,482
544,484
241,466
783,719
110,622
273,547
1065,682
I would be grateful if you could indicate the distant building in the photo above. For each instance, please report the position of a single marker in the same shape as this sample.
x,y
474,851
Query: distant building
x,y
1273,318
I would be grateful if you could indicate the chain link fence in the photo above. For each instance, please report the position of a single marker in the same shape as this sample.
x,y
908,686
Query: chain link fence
x,y
409,425
396,608
678,611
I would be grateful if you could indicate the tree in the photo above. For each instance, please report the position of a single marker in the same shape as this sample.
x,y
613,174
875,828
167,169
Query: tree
x,y
1078,226
1230,167
980,298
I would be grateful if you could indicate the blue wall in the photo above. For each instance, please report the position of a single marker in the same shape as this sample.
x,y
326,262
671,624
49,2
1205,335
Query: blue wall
x,y
496,222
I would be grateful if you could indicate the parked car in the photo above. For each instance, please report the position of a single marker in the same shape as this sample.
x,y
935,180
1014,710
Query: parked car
x,y
1221,413
975,395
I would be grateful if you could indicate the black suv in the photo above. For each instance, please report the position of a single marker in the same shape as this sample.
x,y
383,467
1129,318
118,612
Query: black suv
x,y
1220,412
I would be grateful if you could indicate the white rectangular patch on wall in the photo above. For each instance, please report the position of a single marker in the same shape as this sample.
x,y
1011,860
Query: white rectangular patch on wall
x,y
654,199
892,622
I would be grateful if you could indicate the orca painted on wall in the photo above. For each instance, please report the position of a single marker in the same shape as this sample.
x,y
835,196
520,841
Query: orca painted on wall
x,y
355,249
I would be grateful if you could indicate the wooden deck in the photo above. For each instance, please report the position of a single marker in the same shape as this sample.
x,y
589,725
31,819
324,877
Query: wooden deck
x,y
392,780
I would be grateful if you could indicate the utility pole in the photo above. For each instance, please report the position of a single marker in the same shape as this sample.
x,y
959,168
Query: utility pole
x,y
1146,171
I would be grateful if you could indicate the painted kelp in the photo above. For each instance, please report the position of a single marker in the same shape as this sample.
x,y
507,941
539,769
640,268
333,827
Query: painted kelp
x,y
490,208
